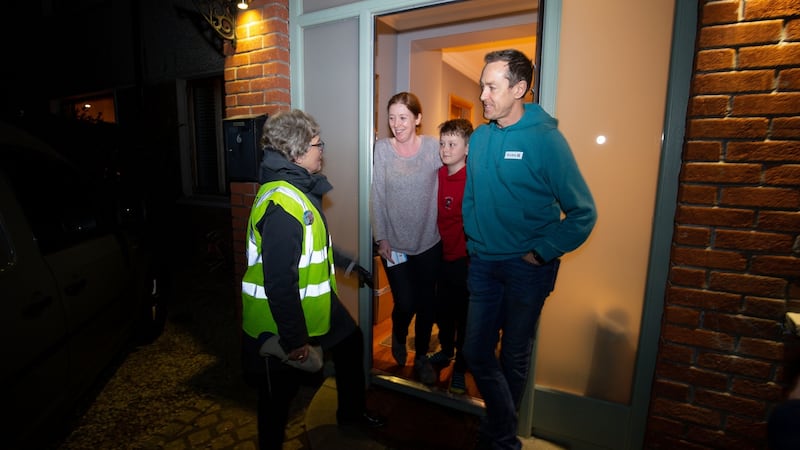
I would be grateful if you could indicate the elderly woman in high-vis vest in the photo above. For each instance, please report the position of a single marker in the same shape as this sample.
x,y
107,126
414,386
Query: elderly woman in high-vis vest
x,y
289,287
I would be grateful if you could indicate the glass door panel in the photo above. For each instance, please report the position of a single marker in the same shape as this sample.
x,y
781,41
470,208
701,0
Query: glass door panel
x,y
612,81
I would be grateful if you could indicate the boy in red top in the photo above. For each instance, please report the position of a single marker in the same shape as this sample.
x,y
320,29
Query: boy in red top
x,y
452,294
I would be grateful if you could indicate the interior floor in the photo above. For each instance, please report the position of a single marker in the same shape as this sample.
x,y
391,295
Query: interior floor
x,y
383,363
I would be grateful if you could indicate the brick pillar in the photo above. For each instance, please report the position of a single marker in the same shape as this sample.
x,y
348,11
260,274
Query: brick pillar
x,y
256,82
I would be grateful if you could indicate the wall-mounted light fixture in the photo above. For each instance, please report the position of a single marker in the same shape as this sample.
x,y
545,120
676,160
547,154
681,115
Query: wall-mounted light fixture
x,y
221,15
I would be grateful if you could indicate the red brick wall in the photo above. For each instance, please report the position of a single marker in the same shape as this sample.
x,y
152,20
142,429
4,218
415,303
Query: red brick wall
x,y
256,82
735,262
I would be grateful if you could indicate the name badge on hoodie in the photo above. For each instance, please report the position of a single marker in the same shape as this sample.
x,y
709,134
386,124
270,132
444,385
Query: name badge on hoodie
x,y
513,154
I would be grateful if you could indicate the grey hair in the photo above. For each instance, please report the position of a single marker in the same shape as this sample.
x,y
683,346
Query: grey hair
x,y
289,133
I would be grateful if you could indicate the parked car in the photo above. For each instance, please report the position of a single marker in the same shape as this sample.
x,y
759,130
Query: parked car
x,y
79,284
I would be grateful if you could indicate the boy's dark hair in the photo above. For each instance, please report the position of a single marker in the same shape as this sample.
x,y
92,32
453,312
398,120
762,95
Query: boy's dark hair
x,y
459,127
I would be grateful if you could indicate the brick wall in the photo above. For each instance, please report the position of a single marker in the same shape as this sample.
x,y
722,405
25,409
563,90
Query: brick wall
x,y
256,82
735,251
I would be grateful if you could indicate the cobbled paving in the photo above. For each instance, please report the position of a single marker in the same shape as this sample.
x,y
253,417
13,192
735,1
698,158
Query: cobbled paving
x,y
185,389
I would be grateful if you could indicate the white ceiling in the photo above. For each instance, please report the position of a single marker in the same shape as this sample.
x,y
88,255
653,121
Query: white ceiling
x,y
467,56
457,12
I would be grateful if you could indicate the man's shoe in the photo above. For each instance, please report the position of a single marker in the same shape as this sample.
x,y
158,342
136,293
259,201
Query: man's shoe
x,y
399,350
367,420
424,370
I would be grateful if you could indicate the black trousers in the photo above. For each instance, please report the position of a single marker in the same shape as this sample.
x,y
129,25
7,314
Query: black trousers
x,y
451,308
413,286
277,384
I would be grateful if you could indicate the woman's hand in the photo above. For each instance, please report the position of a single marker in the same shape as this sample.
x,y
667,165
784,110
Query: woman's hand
x,y
299,354
385,250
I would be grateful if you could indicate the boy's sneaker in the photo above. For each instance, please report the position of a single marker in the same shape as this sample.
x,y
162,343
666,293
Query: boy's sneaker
x,y
399,350
440,359
424,370
458,383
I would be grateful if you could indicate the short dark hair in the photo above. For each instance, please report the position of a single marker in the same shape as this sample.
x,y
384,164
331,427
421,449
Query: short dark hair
x,y
458,127
520,67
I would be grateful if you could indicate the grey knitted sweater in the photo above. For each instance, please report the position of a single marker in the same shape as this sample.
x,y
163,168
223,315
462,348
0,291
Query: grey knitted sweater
x,y
403,196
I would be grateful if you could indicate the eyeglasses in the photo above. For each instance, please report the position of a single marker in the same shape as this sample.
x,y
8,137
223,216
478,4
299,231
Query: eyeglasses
x,y
319,144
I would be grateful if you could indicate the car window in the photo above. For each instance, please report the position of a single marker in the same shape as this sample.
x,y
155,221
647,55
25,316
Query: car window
x,y
62,205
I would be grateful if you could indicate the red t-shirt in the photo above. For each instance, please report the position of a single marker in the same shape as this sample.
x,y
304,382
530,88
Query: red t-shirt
x,y
449,221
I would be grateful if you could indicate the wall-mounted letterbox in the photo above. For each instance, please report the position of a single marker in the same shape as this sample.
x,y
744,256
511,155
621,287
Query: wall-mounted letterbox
x,y
242,148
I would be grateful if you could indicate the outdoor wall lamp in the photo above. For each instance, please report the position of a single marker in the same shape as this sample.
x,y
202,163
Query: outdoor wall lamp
x,y
221,15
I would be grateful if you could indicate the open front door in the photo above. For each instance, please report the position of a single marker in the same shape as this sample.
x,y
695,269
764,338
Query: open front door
x,y
437,53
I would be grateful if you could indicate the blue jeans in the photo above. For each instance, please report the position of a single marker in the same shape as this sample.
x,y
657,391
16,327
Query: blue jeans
x,y
505,295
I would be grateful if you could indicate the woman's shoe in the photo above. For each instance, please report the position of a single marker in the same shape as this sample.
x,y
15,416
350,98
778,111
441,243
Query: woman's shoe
x,y
424,370
399,350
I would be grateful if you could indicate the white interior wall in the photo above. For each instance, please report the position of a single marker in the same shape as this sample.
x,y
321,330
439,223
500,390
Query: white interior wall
x,y
456,83
386,75
426,82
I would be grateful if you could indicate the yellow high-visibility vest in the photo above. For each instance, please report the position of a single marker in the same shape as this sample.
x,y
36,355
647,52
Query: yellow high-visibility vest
x,y
315,268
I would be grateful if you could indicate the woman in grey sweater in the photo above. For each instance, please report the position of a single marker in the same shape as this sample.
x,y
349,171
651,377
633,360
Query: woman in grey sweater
x,y
403,206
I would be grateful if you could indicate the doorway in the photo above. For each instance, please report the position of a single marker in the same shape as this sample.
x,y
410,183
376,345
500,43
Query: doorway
x,y
605,72
437,53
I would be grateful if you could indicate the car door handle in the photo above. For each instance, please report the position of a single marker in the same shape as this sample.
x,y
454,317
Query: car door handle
x,y
76,287
35,308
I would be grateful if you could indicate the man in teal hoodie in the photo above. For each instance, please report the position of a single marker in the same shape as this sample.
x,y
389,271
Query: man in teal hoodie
x,y
525,204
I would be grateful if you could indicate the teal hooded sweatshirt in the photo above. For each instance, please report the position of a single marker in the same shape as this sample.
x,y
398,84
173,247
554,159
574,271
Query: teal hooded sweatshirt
x,y
524,191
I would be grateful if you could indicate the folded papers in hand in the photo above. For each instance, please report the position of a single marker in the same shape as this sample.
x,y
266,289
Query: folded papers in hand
x,y
312,363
